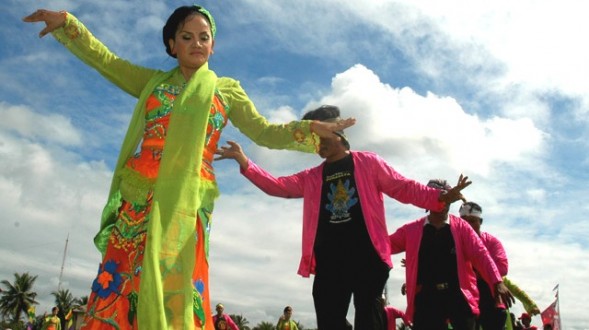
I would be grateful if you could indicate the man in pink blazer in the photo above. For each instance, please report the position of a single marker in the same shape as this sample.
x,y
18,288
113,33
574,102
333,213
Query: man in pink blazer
x,y
492,315
442,251
345,237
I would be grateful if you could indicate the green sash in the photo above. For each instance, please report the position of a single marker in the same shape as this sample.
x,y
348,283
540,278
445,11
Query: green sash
x,y
166,290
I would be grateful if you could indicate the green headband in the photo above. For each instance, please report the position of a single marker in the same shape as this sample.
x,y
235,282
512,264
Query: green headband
x,y
205,12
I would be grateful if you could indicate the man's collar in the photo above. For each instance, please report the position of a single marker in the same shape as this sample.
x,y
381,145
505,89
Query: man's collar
x,y
427,222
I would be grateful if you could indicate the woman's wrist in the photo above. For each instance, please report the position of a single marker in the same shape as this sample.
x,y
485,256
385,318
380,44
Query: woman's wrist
x,y
313,126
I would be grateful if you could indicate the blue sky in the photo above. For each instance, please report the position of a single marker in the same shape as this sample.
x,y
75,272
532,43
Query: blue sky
x,y
495,90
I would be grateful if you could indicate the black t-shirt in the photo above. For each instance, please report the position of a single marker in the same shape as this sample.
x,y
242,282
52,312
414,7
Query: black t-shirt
x,y
437,257
341,232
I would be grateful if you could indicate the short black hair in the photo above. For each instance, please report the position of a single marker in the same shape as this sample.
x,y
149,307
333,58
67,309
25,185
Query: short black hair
x,y
323,113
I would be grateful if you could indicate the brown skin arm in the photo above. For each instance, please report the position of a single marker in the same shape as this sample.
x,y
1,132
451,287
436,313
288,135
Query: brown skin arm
x,y
455,193
53,20
232,151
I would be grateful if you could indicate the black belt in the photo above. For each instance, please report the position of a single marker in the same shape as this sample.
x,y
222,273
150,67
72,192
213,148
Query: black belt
x,y
441,286
432,287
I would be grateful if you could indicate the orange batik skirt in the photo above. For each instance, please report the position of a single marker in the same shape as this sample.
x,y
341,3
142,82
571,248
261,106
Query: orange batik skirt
x,y
115,290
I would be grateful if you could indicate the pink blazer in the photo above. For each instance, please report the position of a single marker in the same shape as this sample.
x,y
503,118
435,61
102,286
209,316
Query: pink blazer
x,y
496,251
373,178
470,252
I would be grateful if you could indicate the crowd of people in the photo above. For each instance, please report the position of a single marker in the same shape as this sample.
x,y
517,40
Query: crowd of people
x,y
155,227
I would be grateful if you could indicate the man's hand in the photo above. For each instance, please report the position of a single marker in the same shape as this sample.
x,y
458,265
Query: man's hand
x,y
233,151
502,294
455,193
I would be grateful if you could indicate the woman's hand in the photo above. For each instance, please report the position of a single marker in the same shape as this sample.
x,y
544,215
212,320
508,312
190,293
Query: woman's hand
x,y
53,20
326,129
232,151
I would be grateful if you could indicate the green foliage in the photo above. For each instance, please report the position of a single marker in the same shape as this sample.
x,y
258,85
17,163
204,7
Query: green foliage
x,y
17,297
264,326
240,321
64,300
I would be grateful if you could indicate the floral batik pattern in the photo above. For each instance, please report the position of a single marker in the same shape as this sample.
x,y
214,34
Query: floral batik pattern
x,y
115,290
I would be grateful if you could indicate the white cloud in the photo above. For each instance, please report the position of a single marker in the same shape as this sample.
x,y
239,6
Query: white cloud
x,y
46,193
400,122
53,128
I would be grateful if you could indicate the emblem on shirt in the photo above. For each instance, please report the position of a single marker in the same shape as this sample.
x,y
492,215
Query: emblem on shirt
x,y
341,199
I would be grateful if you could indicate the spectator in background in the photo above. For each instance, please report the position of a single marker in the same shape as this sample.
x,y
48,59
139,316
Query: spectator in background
x,y
52,322
285,322
512,324
222,321
526,321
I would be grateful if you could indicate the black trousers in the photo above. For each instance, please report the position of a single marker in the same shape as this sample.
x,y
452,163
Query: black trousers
x,y
435,308
334,286
491,317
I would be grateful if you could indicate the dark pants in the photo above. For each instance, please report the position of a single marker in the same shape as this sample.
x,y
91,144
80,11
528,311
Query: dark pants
x,y
434,308
333,288
491,317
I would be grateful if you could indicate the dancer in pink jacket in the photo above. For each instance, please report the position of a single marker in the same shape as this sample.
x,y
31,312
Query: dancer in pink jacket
x,y
492,315
345,238
442,251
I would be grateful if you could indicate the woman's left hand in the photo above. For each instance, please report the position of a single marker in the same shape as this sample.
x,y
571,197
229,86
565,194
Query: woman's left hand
x,y
326,129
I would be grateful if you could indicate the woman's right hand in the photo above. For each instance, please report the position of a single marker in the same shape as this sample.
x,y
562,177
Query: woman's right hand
x,y
53,20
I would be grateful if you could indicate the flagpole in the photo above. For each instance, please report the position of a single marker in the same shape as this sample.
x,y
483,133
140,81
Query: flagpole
x,y
558,310
558,307
63,262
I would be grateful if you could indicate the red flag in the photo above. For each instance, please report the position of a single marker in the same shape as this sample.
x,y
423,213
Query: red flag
x,y
550,316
